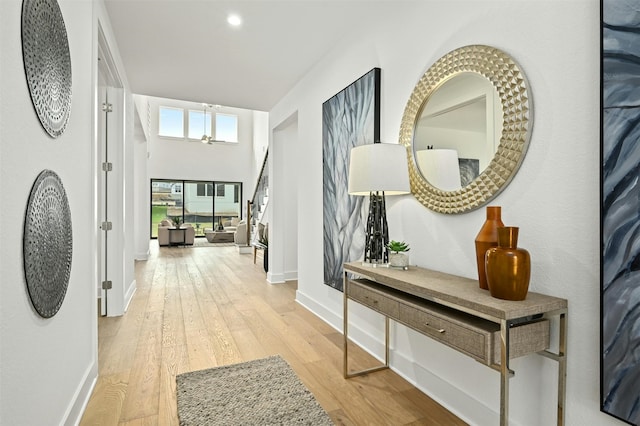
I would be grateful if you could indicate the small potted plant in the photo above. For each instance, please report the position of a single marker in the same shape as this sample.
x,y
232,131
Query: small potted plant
x,y
398,257
177,221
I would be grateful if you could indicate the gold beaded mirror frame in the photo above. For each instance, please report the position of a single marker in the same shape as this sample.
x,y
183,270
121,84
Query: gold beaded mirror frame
x,y
514,95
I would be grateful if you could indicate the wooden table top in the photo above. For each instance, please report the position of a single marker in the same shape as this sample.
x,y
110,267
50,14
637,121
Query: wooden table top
x,y
456,291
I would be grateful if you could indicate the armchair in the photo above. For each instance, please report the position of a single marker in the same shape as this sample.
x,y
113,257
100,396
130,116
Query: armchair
x,y
240,236
163,232
231,224
166,237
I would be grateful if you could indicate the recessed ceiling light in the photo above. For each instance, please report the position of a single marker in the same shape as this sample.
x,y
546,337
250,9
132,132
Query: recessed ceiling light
x,y
234,20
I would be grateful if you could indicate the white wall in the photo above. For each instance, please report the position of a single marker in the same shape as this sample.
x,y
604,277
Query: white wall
x,y
47,366
171,158
553,198
285,175
117,129
260,143
141,219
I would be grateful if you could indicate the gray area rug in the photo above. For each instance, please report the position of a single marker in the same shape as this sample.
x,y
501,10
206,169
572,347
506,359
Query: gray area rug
x,y
261,392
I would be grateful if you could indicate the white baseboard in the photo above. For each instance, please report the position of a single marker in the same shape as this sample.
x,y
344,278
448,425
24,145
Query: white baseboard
x,y
244,249
129,295
83,394
467,408
141,256
325,314
275,278
291,276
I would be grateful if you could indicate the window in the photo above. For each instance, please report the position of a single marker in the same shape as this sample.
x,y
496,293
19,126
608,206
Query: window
x,y
204,190
171,122
194,203
227,127
166,202
226,204
199,126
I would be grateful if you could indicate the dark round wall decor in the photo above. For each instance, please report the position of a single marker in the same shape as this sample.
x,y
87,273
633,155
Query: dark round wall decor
x,y
47,244
47,63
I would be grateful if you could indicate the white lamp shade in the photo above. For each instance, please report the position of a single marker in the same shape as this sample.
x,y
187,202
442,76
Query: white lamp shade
x,y
440,167
379,167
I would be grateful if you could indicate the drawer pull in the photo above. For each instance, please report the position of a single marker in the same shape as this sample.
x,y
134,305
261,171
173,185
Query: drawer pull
x,y
439,330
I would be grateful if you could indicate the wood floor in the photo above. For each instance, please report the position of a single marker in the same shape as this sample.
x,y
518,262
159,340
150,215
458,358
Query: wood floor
x,y
202,307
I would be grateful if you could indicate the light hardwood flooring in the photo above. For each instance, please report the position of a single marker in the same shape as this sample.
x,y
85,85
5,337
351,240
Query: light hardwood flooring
x,y
202,307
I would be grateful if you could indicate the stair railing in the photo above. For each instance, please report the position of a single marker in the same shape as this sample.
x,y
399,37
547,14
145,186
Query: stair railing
x,y
262,183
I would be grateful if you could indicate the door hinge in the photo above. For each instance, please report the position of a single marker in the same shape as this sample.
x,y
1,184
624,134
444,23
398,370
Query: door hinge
x,y
107,166
106,226
107,107
107,285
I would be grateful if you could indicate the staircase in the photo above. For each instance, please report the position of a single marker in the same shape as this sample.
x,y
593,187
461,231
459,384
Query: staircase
x,y
260,200
258,206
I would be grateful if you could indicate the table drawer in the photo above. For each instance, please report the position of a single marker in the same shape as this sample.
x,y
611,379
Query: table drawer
x,y
365,292
474,336
471,335
467,334
524,339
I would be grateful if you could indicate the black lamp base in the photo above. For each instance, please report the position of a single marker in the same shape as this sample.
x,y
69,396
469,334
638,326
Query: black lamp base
x,y
377,230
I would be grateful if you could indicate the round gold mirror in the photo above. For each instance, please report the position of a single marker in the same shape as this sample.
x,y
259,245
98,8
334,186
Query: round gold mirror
x,y
466,126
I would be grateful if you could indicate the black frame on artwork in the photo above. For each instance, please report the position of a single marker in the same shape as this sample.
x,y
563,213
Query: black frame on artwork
x,y
376,104
619,263
349,233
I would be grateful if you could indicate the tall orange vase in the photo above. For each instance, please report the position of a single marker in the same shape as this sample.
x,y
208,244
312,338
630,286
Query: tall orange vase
x,y
508,267
487,238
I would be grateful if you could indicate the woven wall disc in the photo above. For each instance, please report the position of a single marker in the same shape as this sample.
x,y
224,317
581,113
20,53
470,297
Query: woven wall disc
x,y
47,244
47,63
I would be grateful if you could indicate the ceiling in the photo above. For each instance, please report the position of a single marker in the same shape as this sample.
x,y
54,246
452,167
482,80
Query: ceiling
x,y
185,49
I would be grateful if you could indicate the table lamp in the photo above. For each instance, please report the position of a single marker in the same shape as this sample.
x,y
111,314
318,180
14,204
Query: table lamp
x,y
440,167
377,170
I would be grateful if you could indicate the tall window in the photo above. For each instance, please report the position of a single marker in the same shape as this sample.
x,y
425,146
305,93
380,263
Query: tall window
x,y
227,205
166,202
199,124
203,204
227,127
171,122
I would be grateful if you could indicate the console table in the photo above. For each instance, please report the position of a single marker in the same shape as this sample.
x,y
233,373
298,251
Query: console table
x,y
456,312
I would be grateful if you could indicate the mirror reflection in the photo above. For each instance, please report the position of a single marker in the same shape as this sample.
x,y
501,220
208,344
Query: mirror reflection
x,y
458,131
471,107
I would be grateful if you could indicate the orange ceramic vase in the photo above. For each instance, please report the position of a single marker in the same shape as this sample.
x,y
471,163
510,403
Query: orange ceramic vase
x,y
487,238
508,267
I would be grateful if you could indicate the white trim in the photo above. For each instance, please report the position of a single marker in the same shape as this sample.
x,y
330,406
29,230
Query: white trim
x,y
291,276
439,390
81,397
129,295
275,278
142,256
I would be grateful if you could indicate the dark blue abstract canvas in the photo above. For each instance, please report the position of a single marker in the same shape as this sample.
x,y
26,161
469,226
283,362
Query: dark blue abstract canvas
x,y
350,118
620,210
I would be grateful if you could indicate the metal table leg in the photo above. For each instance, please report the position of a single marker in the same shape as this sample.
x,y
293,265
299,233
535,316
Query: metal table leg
x,y
345,332
504,372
